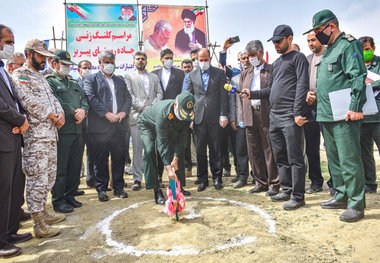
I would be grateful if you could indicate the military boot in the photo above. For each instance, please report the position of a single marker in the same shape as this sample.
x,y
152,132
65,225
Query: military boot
x,y
41,229
52,218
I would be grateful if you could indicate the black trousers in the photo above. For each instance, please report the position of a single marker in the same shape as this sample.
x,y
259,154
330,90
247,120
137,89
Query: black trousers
x,y
241,156
286,140
207,134
103,145
12,184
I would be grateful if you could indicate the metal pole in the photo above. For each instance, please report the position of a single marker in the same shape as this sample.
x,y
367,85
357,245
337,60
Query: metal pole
x,y
207,24
54,36
138,25
65,24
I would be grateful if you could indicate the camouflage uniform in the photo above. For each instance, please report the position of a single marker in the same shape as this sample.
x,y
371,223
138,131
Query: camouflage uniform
x,y
40,150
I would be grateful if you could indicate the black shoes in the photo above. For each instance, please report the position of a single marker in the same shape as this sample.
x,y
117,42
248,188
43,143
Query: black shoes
x,y
314,189
281,197
186,193
90,184
235,179
332,192
257,189
136,186
227,173
159,197
293,204
120,193
74,203
103,197
239,184
63,207
352,215
202,187
196,181
78,193
333,204
272,192
18,238
9,251
218,184
370,189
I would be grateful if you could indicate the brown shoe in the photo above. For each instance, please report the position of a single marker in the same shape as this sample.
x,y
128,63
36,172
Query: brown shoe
x,y
53,218
41,229
9,251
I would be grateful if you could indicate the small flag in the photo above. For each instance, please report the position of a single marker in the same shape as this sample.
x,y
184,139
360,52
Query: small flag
x,y
199,10
24,81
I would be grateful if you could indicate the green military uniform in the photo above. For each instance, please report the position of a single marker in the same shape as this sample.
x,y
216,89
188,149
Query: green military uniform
x,y
160,127
70,143
370,131
342,66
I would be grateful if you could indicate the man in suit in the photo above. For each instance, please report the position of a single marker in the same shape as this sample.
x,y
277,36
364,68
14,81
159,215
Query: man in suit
x,y
110,104
145,90
12,124
15,62
255,116
206,83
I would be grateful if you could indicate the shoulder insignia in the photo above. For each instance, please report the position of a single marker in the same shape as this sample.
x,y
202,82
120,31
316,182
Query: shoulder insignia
x,y
349,38
170,116
24,80
48,75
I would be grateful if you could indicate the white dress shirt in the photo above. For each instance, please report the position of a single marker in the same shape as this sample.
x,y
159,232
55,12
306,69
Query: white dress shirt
x,y
255,85
145,81
112,88
165,77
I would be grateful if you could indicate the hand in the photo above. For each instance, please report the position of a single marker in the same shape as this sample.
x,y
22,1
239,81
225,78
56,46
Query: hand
x,y
223,121
143,108
354,116
244,93
171,173
174,163
16,130
234,126
226,44
52,117
121,115
195,45
191,125
80,114
24,126
299,120
111,117
60,120
311,97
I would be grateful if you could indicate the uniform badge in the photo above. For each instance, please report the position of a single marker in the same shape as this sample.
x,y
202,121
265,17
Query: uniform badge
x,y
190,105
170,116
24,81
330,67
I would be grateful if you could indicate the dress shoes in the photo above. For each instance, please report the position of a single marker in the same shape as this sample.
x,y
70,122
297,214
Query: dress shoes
x,y
120,193
136,186
352,215
334,204
24,215
159,197
9,251
103,197
332,192
218,184
235,179
202,187
281,197
74,203
186,193
78,193
90,184
63,207
257,189
128,170
18,238
293,204
239,184
197,181
370,189
314,189
227,173
272,192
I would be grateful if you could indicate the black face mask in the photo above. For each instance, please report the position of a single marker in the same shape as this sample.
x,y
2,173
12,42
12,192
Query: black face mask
x,y
322,37
35,64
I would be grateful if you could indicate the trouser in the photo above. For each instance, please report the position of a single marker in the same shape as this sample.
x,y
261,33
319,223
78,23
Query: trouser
x,y
12,183
127,142
105,143
227,134
343,155
90,178
260,154
40,167
188,161
137,153
286,139
69,164
370,132
241,164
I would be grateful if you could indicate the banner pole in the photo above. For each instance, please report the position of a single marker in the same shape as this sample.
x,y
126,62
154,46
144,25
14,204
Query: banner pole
x,y
207,24
138,25
64,4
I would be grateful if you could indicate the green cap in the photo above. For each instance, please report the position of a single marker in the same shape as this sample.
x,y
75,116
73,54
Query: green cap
x,y
185,103
321,18
64,57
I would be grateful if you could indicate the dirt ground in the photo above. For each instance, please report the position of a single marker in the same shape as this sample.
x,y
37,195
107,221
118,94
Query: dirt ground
x,y
216,226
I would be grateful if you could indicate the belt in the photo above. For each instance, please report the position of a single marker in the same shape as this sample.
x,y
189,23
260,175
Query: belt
x,y
256,108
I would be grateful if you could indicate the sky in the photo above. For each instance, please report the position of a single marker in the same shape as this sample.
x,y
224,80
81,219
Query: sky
x,y
248,19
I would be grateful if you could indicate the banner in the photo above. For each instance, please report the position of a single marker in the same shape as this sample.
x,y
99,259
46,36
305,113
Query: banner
x,y
180,28
92,28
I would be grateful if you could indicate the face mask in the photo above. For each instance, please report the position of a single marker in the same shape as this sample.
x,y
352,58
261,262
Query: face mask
x,y
64,70
368,55
254,61
108,68
322,37
196,63
204,65
36,64
7,51
168,63
86,72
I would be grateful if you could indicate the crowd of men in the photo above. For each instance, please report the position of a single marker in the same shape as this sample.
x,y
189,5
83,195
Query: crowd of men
x,y
274,124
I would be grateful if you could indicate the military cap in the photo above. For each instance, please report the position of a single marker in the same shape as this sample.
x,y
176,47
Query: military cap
x,y
38,46
185,104
321,18
64,57
186,13
280,32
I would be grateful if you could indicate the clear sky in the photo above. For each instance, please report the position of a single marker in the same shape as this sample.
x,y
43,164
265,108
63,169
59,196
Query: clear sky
x,y
249,19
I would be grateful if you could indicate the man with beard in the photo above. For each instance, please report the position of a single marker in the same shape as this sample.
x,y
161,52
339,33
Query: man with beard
x,y
159,39
189,37
45,116
127,13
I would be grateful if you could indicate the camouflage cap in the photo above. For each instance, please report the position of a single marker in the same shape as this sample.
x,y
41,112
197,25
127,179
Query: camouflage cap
x,y
321,18
185,103
64,57
38,46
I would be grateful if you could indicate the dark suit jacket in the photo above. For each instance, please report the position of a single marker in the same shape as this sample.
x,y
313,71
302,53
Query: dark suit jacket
x,y
175,83
9,116
99,98
245,108
210,104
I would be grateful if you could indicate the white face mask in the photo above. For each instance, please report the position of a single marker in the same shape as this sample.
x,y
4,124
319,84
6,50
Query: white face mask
x,y
196,63
108,68
168,63
7,51
254,61
204,65
86,72
64,70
